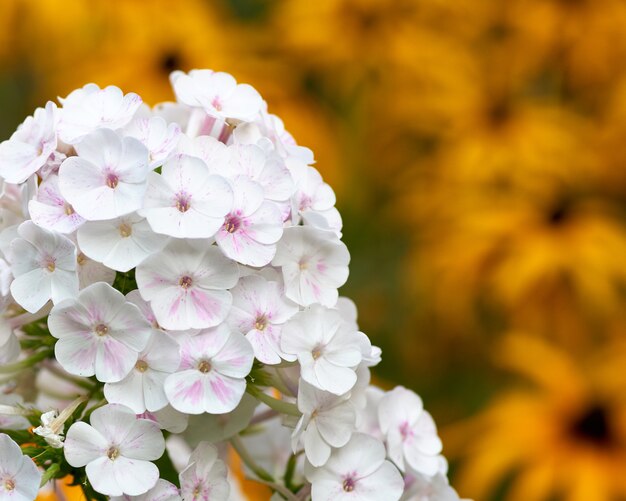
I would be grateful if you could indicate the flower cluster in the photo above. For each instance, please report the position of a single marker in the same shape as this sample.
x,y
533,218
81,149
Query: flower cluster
x,y
176,269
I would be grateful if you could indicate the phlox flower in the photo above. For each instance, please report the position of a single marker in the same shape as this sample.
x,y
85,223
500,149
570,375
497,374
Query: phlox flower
x,y
108,177
252,228
90,272
186,285
186,200
157,135
367,417
259,311
410,432
98,332
116,449
214,153
326,347
422,488
211,376
9,344
217,93
162,491
144,306
314,264
89,108
19,476
51,211
327,421
121,243
30,145
54,438
168,419
142,388
44,266
357,471
13,421
204,479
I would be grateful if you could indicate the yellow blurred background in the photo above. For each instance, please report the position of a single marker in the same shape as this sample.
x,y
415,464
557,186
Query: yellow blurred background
x,y
478,151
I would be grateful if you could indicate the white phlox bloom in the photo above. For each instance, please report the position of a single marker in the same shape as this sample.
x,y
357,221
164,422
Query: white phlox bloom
x,y
314,264
259,311
98,332
211,376
314,200
121,243
108,177
6,277
144,306
422,488
204,479
9,344
214,153
13,421
117,449
90,108
253,227
410,432
162,491
367,417
142,389
266,169
168,419
357,471
90,272
186,286
274,129
327,421
30,145
217,93
186,200
326,347
51,211
44,266
157,135
53,437
19,476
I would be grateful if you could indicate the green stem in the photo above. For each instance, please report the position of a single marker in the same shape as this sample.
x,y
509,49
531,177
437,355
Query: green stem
x,y
50,473
278,405
26,363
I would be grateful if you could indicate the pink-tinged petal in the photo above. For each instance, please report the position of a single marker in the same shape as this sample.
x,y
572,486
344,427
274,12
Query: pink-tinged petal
x,y
235,357
18,161
144,440
203,345
154,393
83,444
77,354
215,271
266,345
241,247
185,391
222,394
114,360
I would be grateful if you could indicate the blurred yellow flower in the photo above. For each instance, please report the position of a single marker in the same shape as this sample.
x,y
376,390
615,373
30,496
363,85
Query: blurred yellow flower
x,y
564,437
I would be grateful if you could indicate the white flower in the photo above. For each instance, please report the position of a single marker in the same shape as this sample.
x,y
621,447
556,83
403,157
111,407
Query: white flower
x,y
120,244
327,421
144,306
422,488
326,347
156,135
217,93
108,177
186,200
89,108
142,388
90,272
30,145
211,376
13,421
254,225
162,491
212,152
19,476
98,333
51,211
314,264
367,417
204,479
44,266
53,437
9,344
116,449
410,431
185,285
168,419
259,311
359,472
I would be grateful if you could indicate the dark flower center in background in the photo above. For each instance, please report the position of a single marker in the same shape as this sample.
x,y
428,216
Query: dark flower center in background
x,y
169,62
593,426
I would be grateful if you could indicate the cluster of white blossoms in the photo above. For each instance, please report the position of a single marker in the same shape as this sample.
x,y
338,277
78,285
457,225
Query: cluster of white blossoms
x,y
169,288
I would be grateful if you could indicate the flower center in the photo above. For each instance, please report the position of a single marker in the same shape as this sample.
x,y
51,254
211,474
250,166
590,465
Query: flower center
x,y
303,264
185,282
101,329
113,453
261,322
349,483
81,258
232,223
9,484
50,264
183,202
204,366
405,430
317,352
217,103
141,366
112,180
125,230
593,425
69,210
